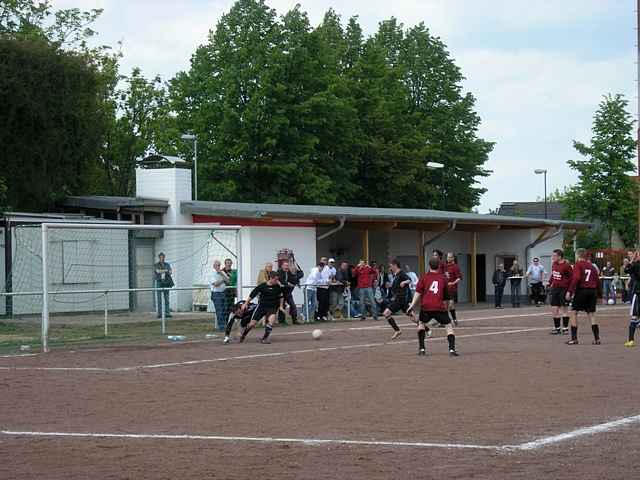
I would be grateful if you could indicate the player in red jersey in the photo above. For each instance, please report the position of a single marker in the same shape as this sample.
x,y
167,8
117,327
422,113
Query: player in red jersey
x,y
561,274
584,286
441,264
432,295
454,276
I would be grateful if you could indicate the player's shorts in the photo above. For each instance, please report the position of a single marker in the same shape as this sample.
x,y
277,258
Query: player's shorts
x,y
635,306
454,296
397,306
262,311
439,316
585,300
558,297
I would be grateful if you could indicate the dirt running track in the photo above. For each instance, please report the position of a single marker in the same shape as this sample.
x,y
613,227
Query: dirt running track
x,y
512,384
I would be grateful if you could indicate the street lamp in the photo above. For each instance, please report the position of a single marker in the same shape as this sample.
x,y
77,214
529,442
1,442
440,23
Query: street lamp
x,y
438,166
540,171
188,136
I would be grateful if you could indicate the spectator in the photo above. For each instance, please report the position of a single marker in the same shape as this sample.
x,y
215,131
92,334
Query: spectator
x,y
607,283
318,280
341,283
382,296
414,279
499,281
289,280
356,309
163,272
263,275
230,292
218,281
515,280
311,291
382,276
333,297
535,276
366,276
624,282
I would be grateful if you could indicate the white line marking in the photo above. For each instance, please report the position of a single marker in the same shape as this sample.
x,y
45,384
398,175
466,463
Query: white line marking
x,y
305,441
580,432
261,355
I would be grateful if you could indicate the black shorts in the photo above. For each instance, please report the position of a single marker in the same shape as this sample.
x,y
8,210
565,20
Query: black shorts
x,y
635,306
453,296
262,311
441,317
585,300
397,306
558,297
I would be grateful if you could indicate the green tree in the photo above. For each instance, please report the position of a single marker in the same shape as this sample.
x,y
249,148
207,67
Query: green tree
x,y
605,193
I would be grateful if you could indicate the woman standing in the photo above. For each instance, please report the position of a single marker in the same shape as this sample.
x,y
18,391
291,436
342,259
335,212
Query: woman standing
x,y
218,282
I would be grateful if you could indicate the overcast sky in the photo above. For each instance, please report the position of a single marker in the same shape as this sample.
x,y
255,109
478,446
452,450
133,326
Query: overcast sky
x,y
538,68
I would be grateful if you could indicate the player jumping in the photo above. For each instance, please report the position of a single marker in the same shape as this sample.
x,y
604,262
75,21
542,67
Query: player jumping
x,y
584,289
454,275
561,273
399,296
270,301
431,294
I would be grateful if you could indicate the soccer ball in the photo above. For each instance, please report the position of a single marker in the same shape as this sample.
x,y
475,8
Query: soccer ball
x,y
316,334
611,301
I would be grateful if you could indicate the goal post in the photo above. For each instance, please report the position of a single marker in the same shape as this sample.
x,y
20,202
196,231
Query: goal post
x,y
90,269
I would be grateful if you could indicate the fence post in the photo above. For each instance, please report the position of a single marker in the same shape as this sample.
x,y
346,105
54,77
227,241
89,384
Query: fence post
x,y
306,304
45,293
162,309
106,313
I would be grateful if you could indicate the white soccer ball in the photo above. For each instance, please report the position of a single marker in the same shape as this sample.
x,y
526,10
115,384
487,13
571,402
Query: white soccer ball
x,y
316,334
611,301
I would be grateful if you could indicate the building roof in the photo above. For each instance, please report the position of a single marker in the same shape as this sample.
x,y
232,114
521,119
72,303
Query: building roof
x,y
555,210
27,217
399,216
116,203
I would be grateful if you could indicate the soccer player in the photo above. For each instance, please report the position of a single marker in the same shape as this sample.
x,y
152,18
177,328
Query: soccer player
x,y
584,289
431,294
238,312
561,273
454,276
399,296
439,255
633,270
270,300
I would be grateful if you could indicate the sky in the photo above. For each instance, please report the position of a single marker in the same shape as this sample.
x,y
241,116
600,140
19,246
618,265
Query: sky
x,y
538,68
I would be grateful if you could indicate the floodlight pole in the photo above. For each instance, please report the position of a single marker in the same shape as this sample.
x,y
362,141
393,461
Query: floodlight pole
x,y
188,136
638,113
544,172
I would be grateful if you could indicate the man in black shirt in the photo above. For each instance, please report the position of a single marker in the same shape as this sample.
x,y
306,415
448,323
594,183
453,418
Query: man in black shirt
x,y
270,301
289,280
399,296
244,314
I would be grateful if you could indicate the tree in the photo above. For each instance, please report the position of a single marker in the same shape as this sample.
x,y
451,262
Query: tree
x,y
605,193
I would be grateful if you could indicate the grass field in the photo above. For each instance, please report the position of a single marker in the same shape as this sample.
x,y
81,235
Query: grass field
x,y
516,403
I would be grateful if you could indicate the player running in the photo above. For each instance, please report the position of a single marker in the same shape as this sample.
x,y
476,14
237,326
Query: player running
x,y
584,289
270,300
244,314
439,254
454,275
431,294
633,270
561,273
399,296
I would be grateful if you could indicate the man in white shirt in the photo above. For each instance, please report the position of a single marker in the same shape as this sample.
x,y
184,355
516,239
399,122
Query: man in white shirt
x,y
218,281
535,276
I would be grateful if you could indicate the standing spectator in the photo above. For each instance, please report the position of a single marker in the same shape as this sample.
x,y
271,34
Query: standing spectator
x,y
263,275
624,282
289,280
333,297
607,274
382,295
382,276
499,281
323,292
413,277
162,271
515,280
311,291
356,308
341,283
218,281
366,276
230,292
535,276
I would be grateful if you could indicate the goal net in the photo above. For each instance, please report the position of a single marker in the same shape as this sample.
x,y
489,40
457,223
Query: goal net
x,y
80,282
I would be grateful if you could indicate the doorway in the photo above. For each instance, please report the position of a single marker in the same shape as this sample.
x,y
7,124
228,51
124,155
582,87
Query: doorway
x,y
481,276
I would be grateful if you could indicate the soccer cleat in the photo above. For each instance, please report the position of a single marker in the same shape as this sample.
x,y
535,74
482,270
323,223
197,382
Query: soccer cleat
x,y
226,340
630,343
455,322
396,334
565,331
242,337
429,333
264,341
422,352
596,342
453,353
572,342
555,331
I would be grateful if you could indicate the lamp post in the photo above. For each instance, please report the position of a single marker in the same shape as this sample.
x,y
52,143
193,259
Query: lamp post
x,y
540,171
438,166
188,136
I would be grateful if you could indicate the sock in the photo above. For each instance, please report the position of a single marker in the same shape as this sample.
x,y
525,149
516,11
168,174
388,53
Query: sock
x,y
421,335
227,329
565,322
453,314
267,331
633,324
452,341
393,324
596,331
574,333
246,330
556,323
